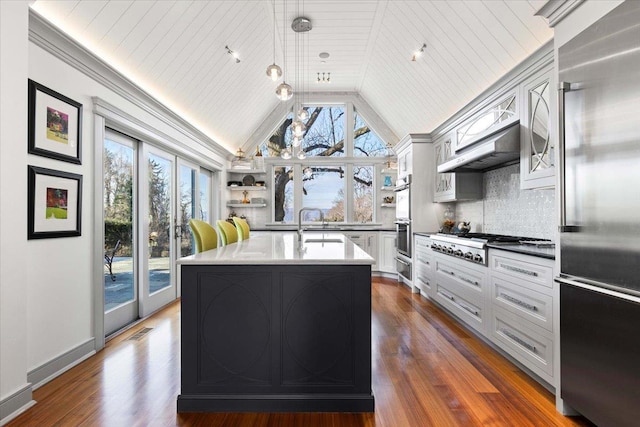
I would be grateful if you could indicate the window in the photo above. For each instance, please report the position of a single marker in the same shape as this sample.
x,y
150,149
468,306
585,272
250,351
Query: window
x,y
337,175
283,193
363,194
323,188
365,141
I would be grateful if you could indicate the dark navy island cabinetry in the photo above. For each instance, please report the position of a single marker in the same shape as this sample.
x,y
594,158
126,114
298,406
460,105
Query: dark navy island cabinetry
x,y
275,336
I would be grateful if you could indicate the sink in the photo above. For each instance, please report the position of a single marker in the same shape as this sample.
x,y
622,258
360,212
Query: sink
x,y
321,240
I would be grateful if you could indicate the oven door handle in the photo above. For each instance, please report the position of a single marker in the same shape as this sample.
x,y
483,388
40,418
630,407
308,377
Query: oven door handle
x,y
401,261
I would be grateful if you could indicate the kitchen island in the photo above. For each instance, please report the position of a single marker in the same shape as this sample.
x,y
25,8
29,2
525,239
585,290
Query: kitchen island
x,y
271,324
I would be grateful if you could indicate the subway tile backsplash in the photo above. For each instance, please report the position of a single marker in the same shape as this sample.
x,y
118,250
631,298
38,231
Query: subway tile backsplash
x,y
506,209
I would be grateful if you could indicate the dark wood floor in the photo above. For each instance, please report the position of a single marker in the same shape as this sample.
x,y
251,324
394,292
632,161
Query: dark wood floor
x,y
427,371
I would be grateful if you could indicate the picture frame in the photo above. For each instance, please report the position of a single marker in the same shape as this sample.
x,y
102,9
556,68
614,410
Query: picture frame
x,y
55,124
54,203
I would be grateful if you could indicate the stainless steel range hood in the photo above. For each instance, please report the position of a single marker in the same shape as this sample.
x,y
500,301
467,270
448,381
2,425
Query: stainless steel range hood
x,y
496,149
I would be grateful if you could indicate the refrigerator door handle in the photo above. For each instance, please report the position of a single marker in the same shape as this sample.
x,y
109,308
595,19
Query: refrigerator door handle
x,y
563,87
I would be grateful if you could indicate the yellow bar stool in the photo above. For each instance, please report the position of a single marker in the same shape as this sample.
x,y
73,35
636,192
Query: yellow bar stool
x,y
228,233
243,228
204,234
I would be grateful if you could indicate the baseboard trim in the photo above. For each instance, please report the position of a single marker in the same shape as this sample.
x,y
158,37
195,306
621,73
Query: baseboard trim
x,y
16,404
57,366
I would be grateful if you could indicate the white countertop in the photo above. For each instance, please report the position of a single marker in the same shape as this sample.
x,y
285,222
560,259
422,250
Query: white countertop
x,y
281,247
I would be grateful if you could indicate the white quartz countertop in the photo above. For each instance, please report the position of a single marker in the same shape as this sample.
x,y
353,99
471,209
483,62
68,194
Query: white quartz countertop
x,y
281,247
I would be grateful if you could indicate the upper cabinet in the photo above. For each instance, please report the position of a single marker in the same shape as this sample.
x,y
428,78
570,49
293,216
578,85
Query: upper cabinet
x,y
485,122
450,187
537,158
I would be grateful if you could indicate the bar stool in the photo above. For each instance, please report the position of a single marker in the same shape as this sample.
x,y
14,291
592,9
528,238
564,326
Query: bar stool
x,y
204,234
228,233
243,228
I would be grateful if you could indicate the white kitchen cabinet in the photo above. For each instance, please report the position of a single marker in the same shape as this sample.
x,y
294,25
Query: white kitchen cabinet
x,y
368,242
423,262
461,287
486,121
537,157
387,252
523,306
450,187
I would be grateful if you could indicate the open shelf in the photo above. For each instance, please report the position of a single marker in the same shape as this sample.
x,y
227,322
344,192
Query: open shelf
x,y
387,188
388,205
246,171
246,205
246,187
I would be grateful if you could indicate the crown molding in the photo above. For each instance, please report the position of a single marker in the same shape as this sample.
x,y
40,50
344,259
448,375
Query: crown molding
x,y
53,40
555,11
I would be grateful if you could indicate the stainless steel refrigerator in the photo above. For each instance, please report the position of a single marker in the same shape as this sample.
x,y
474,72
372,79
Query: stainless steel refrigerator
x,y
599,107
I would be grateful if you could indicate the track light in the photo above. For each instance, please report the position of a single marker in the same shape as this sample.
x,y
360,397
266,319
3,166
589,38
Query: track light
x,y
232,53
326,78
418,53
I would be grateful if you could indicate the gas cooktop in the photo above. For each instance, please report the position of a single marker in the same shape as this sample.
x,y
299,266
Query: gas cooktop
x,y
472,246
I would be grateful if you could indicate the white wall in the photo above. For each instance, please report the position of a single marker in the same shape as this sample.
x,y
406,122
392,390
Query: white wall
x,y
13,199
60,291
47,290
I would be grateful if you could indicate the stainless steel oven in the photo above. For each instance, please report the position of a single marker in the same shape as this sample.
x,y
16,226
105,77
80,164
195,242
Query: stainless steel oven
x,y
403,237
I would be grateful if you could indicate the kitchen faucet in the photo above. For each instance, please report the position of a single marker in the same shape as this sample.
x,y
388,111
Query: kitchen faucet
x,y
300,228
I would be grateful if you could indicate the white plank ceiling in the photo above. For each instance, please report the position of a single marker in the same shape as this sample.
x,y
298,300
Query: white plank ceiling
x,y
175,50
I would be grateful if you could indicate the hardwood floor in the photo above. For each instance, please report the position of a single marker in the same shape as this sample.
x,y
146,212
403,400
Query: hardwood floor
x,y
427,371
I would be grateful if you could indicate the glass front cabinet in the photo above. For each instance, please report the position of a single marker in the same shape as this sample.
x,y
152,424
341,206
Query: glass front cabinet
x,y
537,158
450,187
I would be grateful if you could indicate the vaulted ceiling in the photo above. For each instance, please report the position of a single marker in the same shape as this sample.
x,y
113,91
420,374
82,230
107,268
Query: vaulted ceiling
x,y
175,50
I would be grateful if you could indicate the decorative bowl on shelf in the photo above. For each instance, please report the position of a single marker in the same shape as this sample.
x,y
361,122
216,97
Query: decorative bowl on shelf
x,y
260,184
234,183
248,180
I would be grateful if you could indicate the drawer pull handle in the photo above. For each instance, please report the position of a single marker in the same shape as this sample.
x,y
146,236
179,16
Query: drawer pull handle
x,y
473,282
448,272
519,270
469,309
519,302
422,260
519,340
446,295
426,282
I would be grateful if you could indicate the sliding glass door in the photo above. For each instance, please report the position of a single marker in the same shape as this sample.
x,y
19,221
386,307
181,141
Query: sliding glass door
x,y
120,228
158,211
149,197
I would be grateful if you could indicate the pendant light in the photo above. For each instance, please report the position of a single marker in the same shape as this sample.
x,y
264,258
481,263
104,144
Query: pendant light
x,y
274,71
284,91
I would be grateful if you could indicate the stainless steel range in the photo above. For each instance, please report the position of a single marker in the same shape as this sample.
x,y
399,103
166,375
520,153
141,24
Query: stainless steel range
x,y
471,247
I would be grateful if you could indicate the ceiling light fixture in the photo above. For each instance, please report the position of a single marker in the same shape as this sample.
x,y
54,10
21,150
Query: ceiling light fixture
x,y
418,53
284,91
234,54
274,71
326,78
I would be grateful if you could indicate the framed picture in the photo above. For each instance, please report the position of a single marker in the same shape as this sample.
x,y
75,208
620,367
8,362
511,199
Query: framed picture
x,y
55,124
54,203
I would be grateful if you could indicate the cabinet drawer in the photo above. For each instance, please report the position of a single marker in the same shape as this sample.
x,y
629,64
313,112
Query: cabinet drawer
x,y
523,302
466,277
423,243
423,258
540,272
466,309
530,345
424,281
